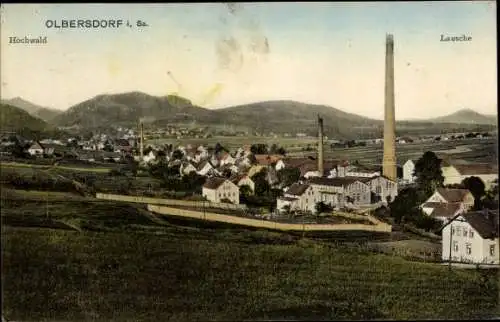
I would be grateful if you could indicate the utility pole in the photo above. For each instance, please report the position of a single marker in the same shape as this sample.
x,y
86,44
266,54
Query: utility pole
x,y
451,240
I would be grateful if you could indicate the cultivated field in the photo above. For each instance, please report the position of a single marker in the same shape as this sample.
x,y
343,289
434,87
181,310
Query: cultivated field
x,y
469,150
233,143
478,150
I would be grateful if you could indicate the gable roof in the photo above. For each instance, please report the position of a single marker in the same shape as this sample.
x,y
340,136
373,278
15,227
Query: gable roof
x,y
297,189
453,195
36,145
203,164
214,182
237,178
336,182
484,222
476,169
267,159
447,210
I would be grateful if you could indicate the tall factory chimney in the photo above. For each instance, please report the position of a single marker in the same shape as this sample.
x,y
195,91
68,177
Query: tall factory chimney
x,y
142,141
389,161
320,147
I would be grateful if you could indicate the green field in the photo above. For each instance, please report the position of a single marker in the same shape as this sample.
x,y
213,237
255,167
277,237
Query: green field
x,y
29,165
473,150
233,143
121,263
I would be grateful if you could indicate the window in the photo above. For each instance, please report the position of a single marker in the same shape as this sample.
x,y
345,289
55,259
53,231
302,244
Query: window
x,y
471,233
468,249
465,232
455,246
378,189
452,230
458,231
492,250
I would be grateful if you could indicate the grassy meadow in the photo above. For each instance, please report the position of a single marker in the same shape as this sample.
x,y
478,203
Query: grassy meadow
x,y
78,259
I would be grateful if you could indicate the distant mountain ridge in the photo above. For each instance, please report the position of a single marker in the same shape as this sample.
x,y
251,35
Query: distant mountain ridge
x,y
45,113
279,116
15,119
466,116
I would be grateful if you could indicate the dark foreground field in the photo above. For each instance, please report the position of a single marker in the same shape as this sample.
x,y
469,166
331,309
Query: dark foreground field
x,y
122,263
64,275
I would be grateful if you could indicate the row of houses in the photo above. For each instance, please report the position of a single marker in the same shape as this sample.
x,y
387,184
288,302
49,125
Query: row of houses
x,y
338,192
455,172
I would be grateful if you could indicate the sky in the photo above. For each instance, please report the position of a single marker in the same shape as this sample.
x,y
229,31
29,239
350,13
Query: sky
x,y
219,55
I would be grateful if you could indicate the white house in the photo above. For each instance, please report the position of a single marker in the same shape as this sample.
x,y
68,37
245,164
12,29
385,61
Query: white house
x,y
456,173
35,149
243,180
151,156
225,159
299,197
216,189
206,168
337,191
408,169
186,168
445,203
471,237
279,165
382,187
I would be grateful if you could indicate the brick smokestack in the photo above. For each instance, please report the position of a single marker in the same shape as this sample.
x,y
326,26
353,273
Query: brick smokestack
x,y
320,146
142,140
389,161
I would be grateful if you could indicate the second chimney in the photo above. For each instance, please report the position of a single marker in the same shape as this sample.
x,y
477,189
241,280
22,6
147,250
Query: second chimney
x,y
142,141
320,147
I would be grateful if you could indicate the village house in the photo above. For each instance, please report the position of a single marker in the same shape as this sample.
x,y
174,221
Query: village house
x,y
150,157
36,149
445,203
299,197
243,180
225,158
217,189
267,159
456,173
186,168
382,187
122,145
471,237
205,168
361,171
340,191
231,168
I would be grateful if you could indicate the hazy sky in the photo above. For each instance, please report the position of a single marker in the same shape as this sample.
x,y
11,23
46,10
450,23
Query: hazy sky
x,y
219,55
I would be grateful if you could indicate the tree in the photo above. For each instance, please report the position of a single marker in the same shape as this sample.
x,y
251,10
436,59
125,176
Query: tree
x,y
259,149
262,187
288,176
227,173
404,204
322,207
428,172
490,200
177,154
219,148
476,186
245,192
